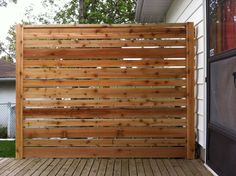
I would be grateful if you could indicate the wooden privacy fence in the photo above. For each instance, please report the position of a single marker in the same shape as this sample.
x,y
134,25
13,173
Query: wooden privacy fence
x,y
105,91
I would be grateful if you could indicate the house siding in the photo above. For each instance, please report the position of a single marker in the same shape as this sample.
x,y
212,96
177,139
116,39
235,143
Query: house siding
x,y
193,11
7,92
7,95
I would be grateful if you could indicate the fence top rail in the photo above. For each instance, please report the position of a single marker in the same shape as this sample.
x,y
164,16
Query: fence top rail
x,y
105,25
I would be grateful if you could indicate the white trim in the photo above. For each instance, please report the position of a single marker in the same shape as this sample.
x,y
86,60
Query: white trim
x,y
205,70
210,170
7,79
7,139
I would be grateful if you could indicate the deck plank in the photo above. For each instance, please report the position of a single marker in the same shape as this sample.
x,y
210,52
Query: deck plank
x,y
87,167
12,167
80,167
42,167
162,167
125,167
199,165
132,167
110,167
72,167
155,169
59,165
117,167
50,167
177,168
29,167
95,167
147,167
185,168
20,167
102,167
65,167
169,167
35,167
140,169
6,163
191,167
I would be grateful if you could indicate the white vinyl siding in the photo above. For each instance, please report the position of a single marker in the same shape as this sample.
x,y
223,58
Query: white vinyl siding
x,y
193,11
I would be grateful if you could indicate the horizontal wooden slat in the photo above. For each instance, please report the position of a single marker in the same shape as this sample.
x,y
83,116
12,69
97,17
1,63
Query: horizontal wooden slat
x,y
103,132
101,43
101,103
95,83
105,122
103,92
118,35
105,53
103,63
168,25
55,73
105,142
131,30
81,33
102,112
61,152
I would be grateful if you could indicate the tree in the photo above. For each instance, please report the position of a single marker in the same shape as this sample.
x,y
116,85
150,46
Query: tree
x,y
7,49
85,11
4,51
77,11
3,3
5,54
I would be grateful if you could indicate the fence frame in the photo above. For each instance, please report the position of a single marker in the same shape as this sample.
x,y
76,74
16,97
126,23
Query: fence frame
x,y
190,97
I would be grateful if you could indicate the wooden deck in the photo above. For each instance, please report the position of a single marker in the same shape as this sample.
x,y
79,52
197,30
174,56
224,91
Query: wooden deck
x,y
104,167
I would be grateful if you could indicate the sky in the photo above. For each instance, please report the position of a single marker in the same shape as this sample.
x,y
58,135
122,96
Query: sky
x,y
13,13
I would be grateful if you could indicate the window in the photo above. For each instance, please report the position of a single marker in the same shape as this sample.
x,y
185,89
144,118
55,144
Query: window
x,y
222,25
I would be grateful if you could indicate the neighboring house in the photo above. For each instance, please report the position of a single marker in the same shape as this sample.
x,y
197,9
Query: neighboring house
x,y
7,82
7,96
215,111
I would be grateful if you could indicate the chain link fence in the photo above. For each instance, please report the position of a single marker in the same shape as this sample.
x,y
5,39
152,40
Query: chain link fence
x,y
7,120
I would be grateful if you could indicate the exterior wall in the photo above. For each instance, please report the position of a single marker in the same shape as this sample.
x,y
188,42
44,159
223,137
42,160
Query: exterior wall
x,y
7,92
193,11
7,95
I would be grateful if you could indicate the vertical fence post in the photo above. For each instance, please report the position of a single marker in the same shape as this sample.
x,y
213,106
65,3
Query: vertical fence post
x,y
190,35
9,120
19,91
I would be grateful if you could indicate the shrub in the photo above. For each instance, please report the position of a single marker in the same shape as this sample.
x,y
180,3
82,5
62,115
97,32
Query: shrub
x,y
3,132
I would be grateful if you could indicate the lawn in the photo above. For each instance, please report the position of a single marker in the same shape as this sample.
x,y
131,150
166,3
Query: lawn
x,y
7,148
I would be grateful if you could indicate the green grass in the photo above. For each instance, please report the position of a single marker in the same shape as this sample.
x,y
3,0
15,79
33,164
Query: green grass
x,y
7,148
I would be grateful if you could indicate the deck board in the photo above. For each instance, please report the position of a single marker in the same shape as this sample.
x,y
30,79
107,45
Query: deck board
x,y
104,167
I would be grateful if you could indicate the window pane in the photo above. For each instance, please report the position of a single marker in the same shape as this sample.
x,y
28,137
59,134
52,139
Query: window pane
x,y
222,25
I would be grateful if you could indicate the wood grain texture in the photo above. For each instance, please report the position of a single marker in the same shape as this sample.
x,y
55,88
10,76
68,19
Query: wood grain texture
x,y
106,122
103,63
62,73
190,91
130,30
103,132
105,53
104,93
105,35
104,103
19,91
167,25
103,112
161,152
104,82
107,91
101,43
106,142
